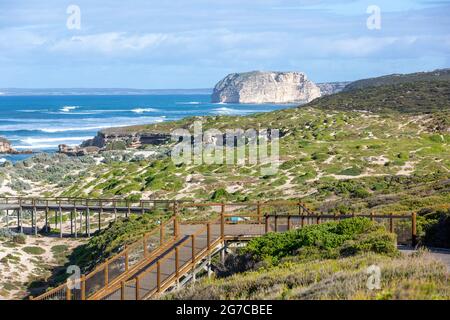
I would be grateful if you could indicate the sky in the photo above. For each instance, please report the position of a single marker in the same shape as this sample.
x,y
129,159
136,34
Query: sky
x,y
167,44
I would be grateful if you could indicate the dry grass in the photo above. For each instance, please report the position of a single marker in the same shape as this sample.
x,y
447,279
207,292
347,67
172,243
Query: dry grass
x,y
417,276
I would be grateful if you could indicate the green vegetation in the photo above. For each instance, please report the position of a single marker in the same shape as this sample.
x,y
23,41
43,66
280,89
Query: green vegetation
x,y
434,228
436,75
406,277
111,240
331,239
327,261
33,250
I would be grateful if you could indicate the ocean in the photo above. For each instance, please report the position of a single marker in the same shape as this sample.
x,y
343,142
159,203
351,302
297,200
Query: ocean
x,y
42,122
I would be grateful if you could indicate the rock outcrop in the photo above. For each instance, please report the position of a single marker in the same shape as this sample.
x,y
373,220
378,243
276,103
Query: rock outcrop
x,y
265,87
132,140
77,151
6,147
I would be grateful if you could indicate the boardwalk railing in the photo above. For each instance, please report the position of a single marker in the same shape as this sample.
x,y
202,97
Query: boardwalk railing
x,y
73,216
173,264
193,233
113,269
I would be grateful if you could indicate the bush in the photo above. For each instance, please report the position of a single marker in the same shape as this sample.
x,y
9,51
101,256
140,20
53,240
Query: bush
x,y
109,241
349,236
434,228
327,237
378,241
19,238
34,250
220,194
353,171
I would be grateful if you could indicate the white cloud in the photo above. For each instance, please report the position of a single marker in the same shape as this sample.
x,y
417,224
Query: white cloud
x,y
19,39
109,43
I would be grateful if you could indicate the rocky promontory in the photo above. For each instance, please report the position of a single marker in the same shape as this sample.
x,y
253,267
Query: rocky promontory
x,y
6,147
265,87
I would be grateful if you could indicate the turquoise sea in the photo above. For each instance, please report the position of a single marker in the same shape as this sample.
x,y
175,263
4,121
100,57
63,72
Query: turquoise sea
x,y
42,122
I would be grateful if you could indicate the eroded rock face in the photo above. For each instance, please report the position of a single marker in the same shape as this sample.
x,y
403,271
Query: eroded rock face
x,y
5,146
265,87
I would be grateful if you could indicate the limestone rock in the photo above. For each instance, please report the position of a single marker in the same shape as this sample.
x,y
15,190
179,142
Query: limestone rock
x,y
265,87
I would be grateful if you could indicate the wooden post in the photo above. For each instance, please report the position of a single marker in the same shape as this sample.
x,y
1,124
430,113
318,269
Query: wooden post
x,y
266,224
122,290
83,287
115,210
100,217
289,222
7,218
75,213
19,215
129,209
47,227
88,222
222,221
258,211
60,220
414,229
391,224
158,276
161,233
46,216
318,219
302,221
68,293
299,208
126,260
276,223
144,243
106,275
177,262
371,216
81,223
142,207
175,221
71,223
34,218
193,249
138,287
208,235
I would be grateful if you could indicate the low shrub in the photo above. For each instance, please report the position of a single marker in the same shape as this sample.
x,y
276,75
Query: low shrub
x,y
434,228
349,236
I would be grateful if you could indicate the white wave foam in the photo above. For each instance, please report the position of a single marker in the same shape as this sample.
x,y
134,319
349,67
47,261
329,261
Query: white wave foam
x,y
2,159
142,110
68,108
228,111
32,141
84,124
190,102
32,110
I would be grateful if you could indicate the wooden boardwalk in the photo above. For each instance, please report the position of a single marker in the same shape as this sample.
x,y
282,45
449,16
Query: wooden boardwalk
x,y
173,253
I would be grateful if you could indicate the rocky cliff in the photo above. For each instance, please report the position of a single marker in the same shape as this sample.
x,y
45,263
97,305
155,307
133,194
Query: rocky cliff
x,y
5,146
265,87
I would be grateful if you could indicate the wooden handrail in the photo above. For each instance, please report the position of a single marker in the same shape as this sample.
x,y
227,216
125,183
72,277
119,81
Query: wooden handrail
x,y
204,231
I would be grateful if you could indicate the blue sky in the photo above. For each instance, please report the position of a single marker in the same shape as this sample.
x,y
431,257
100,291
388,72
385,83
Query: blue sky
x,y
195,43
